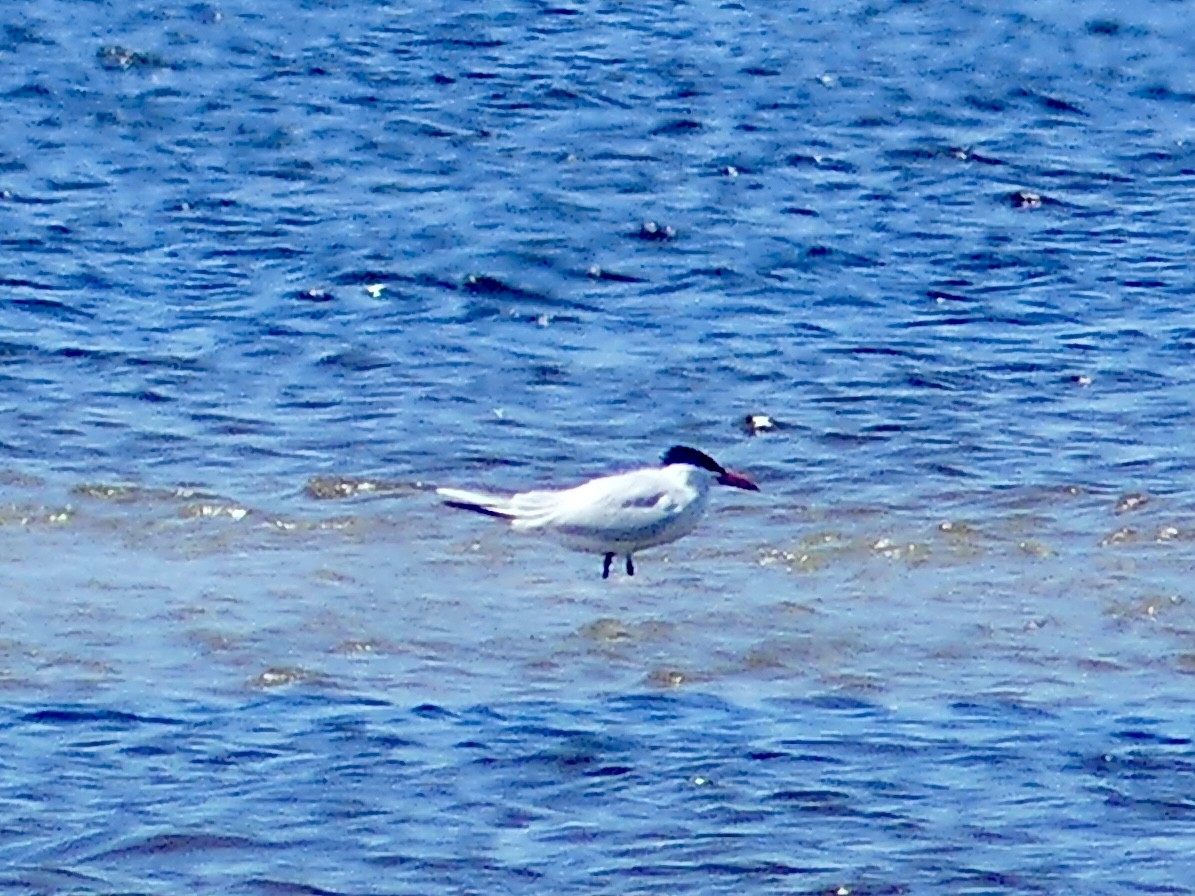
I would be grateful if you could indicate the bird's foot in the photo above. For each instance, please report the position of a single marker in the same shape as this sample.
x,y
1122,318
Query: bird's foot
x,y
630,566
606,565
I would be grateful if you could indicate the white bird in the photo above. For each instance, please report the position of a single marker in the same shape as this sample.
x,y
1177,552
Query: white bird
x,y
618,514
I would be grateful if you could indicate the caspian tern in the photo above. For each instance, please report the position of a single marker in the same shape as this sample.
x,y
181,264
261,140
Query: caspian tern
x,y
618,514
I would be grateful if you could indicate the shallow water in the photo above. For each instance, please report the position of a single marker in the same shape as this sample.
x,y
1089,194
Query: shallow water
x,y
376,700
274,275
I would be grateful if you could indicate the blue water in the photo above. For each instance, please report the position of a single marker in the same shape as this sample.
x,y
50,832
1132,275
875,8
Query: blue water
x,y
636,794
274,271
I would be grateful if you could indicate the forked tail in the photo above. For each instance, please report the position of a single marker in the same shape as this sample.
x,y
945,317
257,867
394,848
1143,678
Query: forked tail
x,y
488,505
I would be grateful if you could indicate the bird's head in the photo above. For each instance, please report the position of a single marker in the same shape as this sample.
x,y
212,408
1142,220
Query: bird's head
x,y
683,454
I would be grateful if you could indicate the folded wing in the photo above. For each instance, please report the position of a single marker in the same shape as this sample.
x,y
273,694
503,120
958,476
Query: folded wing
x,y
617,509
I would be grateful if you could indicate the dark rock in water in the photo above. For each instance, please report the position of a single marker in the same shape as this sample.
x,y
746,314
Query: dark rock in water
x,y
281,676
597,273
606,629
757,424
666,678
354,360
1026,199
679,128
485,285
1128,503
118,58
1126,534
315,294
330,488
657,233
967,155
335,487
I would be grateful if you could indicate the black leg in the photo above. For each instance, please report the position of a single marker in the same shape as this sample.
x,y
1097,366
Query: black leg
x,y
630,566
606,565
